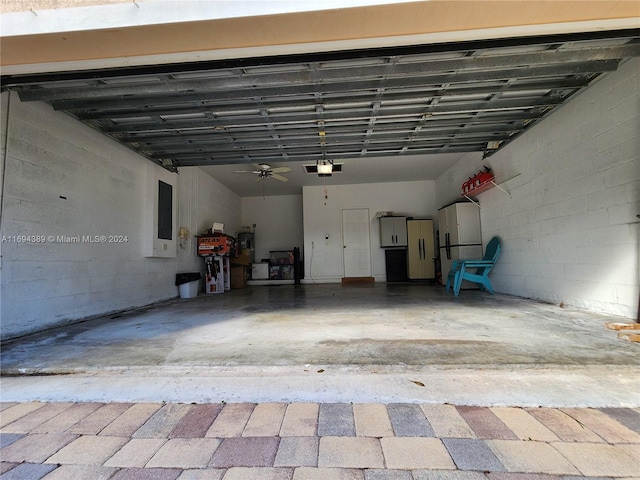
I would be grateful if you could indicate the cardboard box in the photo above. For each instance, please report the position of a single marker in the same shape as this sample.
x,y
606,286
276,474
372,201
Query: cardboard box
x,y
216,271
238,276
215,244
215,284
241,260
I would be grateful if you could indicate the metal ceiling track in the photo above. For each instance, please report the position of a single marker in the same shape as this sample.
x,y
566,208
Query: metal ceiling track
x,y
460,97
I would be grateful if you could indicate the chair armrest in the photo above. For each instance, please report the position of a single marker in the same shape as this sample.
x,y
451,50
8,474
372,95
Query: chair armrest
x,y
477,263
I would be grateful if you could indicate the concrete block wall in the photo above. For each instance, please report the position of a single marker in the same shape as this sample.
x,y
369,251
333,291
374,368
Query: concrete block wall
x,y
202,201
65,180
569,228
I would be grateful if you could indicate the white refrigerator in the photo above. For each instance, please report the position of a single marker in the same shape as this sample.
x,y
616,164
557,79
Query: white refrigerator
x,y
460,236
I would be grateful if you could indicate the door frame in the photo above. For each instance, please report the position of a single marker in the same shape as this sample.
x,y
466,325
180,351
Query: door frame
x,y
344,248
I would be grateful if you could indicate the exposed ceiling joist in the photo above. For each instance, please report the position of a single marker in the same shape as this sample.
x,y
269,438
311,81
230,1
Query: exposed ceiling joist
x,y
371,103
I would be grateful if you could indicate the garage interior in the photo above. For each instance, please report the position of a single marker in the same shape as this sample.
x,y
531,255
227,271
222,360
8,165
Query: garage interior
x,y
409,110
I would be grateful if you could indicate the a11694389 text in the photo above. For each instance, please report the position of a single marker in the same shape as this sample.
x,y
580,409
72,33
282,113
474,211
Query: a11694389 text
x,y
35,239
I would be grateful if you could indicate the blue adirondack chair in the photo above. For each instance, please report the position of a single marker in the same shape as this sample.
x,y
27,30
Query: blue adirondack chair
x,y
476,271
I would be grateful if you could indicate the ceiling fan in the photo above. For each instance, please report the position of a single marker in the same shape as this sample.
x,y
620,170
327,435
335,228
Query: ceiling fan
x,y
264,171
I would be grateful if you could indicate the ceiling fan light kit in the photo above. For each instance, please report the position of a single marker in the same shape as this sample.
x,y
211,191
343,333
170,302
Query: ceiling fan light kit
x,y
316,169
325,168
264,170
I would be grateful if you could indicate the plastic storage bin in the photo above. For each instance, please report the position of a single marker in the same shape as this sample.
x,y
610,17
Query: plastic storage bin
x,y
281,257
260,271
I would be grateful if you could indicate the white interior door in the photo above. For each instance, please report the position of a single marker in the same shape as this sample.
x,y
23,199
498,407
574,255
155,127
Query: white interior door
x,y
356,242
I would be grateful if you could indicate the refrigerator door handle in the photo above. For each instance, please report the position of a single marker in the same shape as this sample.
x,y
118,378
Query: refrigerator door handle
x,y
424,251
419,250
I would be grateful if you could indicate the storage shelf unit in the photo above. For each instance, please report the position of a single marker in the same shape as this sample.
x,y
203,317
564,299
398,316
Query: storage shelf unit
x,y
460,236
393,232
483,188
281,265
421,249
396,264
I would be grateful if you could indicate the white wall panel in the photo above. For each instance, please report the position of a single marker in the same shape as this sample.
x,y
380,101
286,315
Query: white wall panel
x,y
278,221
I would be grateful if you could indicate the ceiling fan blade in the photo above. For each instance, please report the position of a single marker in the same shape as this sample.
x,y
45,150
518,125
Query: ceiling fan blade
x,y
243,171
280,169
279,177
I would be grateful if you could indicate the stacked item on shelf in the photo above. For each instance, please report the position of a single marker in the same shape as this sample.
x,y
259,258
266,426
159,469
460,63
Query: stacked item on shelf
x,y
479,183
281,264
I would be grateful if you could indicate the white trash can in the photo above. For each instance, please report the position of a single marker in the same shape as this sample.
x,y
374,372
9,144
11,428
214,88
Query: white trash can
x,y
188,284
189,289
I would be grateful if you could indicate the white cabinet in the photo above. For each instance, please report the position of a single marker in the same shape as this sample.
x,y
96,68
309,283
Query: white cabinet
x,y
461,222
393,231
421,251
460,235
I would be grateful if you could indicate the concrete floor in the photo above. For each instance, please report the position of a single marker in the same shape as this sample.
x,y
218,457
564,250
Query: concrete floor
x,y
382,343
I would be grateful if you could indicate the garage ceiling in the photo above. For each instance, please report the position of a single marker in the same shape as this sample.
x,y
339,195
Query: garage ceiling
x,y
391,102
